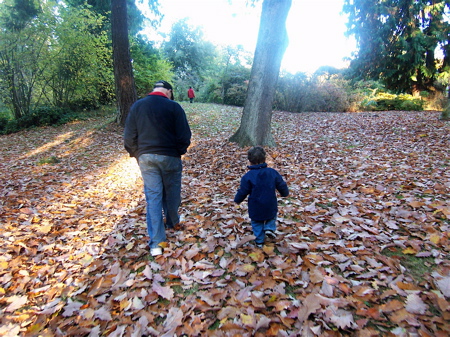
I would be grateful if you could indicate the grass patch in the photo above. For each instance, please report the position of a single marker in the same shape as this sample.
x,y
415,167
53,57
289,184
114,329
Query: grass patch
x,y
48,160
186,291
418,267
215,325
325,206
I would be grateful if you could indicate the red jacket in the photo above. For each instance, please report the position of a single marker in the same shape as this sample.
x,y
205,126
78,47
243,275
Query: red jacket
x,y
191,93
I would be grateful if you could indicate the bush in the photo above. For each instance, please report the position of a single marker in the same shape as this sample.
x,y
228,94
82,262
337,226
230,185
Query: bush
x,y
236,95
385,101
327,97
41,116
3,123
299,93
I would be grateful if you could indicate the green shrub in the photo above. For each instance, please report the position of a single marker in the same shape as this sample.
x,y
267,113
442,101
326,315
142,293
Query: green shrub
x,y
11,126
329,96
41,116
383,101
3,123
236,95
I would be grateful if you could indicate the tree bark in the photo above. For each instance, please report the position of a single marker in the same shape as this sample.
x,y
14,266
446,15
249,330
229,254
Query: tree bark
x,y
445,115
272,43
123,71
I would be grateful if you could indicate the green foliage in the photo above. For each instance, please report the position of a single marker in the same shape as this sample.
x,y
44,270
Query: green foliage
x,y
23,55
80,73
321,92
149,66
59,57
4,120
446,113
227,80
20,13
42,116
398,40
327,96
190,55
382,101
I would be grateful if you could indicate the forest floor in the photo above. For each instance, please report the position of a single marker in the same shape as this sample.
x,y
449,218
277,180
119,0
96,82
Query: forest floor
x,y
363,248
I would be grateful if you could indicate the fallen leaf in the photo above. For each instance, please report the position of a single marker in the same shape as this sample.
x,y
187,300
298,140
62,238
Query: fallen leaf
x,y
415,305
16,302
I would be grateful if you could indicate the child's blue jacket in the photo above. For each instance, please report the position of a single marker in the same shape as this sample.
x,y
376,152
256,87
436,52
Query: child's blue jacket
x,y
260,184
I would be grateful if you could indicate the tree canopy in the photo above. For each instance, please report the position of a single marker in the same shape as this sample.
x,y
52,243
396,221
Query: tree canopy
x,y
400,41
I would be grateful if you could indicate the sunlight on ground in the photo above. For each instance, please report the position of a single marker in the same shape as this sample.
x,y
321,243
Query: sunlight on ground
x,y
58,141
121,175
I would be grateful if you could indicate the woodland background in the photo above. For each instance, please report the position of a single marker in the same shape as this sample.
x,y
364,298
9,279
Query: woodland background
x,y
56,60
363,249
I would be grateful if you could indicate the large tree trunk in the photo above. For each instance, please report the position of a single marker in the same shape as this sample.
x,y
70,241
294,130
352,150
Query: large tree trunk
x,y
270,48
445,115
123,70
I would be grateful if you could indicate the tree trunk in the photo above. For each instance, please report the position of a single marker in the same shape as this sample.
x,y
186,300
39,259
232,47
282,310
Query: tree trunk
x,y
445,115
123,70
270,48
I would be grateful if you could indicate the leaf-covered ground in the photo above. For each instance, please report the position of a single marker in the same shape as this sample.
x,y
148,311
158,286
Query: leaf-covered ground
x,y
363,246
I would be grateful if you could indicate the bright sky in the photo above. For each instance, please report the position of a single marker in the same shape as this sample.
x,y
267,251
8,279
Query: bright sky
x,y
315,28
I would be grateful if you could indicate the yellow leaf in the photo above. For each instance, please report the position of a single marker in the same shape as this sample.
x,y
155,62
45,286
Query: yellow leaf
x,y
3,265
34,329
248,268
87,259
409,251
375,285
257,256
273,298
268,249
163,244
247,320
130,246
124,304
435,238
44,229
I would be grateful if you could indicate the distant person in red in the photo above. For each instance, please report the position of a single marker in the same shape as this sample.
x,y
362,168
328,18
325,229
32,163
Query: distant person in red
x,y
191,94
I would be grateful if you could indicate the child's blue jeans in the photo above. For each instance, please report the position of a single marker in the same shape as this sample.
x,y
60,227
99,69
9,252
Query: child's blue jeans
x,y
259,228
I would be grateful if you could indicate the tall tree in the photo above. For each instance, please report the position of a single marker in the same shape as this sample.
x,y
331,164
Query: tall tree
x,y
123,71
271,45
23,44
397,40
190,55
148,65
80,70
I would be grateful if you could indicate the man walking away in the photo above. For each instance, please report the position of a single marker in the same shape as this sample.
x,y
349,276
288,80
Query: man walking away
x,y
157,133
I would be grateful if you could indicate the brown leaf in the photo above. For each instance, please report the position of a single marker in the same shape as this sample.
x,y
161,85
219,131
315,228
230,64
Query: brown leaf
x,y
174,319
165,292
310,305
16,302
444,286
415,305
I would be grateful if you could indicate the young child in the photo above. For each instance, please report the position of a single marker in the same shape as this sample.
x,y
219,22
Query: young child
x,y
260,184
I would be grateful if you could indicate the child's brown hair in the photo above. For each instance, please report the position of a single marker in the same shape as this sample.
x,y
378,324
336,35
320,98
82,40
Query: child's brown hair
x,y
256,155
